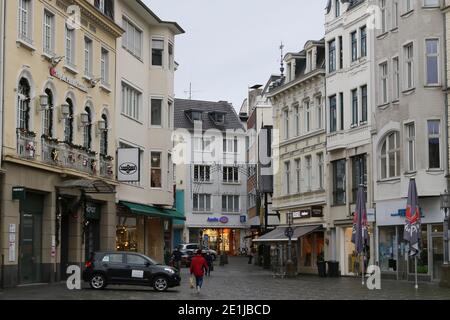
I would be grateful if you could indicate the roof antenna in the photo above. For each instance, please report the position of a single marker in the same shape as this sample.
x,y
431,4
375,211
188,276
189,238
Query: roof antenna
x,y
281,60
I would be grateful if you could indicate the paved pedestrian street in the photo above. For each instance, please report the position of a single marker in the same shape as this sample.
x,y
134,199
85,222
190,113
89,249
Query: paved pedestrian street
x,y
240,281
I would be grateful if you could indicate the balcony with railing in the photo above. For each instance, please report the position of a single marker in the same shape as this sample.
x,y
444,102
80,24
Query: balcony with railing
x,y
106,167
26,144
77,158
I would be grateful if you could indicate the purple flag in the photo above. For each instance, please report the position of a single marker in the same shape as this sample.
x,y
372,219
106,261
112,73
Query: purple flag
x,y
360,235
412,227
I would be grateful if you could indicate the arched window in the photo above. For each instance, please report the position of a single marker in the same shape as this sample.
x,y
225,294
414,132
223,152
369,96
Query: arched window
x,y
47,121
390,156
104,137
88,130
68,123
23,105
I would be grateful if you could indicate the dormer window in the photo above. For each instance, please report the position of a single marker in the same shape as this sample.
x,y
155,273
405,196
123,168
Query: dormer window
x,y
309,61
196,116
218,117
337,8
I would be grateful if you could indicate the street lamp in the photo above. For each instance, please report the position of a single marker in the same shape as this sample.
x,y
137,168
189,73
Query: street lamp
x,y
290,270
445,205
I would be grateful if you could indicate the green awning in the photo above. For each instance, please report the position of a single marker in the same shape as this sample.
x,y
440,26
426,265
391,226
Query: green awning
x,y
152,211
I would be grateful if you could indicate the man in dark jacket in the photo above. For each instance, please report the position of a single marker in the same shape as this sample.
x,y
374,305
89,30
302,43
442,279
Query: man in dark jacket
x,y
209,260
176,256
198,267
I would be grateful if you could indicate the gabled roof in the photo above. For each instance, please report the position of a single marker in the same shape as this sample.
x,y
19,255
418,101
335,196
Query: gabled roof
x,y
183,106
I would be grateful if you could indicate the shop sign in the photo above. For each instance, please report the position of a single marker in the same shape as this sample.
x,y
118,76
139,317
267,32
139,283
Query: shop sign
x,y
224,220
92,212
72,81
18,193
303,214
128,165
243,219
213,219
317,212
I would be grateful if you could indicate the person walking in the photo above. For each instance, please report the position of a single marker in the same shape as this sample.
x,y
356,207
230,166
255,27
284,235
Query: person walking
x,y
210,262
176,256
198,267
251,253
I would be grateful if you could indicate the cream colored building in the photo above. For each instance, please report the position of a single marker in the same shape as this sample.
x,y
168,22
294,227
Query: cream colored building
x,y
57,201
144,120
299,154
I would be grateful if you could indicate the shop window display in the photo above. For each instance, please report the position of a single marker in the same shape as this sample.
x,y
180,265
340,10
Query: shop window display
x,y
126,234
387,253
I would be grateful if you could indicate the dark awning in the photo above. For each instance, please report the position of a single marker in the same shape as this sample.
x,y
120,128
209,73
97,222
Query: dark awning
x,y
88,186
152,211
278,235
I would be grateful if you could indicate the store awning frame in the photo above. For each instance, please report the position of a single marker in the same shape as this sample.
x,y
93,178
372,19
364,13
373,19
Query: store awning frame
x,y
88,186
278,235
152,211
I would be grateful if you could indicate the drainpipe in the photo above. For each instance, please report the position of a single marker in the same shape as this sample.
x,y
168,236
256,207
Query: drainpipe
x,y
2,103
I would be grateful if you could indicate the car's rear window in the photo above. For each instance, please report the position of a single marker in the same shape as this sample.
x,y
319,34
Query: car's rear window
x,y
192,246
113,258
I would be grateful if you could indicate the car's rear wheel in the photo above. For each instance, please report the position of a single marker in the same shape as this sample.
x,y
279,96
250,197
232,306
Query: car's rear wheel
x,y
98,282
161,284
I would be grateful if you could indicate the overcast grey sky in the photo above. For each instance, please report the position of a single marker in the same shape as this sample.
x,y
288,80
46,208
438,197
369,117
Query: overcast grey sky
x,y
230,45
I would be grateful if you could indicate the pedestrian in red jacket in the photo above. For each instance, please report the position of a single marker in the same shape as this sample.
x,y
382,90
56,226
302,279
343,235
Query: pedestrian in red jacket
x,y
198,267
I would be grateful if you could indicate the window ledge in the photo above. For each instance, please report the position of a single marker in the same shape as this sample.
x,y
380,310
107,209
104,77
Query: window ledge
x,y
394,29
396,101
88,77
26,44
106,87
71,69
132,119
438,171
382,35
433,86
383,106
409,91
202,212
410,173
390,180
48,56
338,205
232,183
407,14
204,182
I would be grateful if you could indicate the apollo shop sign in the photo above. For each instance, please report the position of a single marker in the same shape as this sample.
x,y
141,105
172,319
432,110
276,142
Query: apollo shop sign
x,y
223,220
72,81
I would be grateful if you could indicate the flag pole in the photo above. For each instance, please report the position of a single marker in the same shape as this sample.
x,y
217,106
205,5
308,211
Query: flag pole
x,y
363,268
417,285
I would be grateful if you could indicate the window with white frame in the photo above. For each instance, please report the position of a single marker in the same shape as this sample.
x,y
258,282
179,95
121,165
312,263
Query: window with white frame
x,y
383,16
157,52
409,66
297,120
230,203
298,175
169,114
230,174
287,177
201,202
49,33
202,173
171,56
320,169
23,104
410,129
383,83
47,115
88,56
202,144
230,145
434,144
337,8
156,170
170,171
70,47
395,14
104,65
156,112
408,5
354,95
333,114
319,109
131,102
396,78
132,38
308,167
87,134
286,123
432,61
25,20
390,156
363,40
431,3
332,56
307,116
354,46
364,103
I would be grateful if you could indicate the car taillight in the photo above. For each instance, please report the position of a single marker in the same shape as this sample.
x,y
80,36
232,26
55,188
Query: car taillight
x,y
88,264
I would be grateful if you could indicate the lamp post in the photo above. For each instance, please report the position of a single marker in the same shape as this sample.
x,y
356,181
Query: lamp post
x,y
290,269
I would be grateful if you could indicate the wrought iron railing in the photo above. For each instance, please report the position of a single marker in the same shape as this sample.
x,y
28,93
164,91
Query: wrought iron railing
x,y
26,144
106,167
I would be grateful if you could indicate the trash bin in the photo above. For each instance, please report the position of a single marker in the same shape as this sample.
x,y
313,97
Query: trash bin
x,y
322,268
333,269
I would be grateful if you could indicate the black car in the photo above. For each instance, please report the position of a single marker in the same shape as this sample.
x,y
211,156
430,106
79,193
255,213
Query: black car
x,y
126,268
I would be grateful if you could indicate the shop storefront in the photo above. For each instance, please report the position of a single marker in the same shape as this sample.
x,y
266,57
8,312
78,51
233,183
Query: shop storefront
x,y
145,229
221,240
392,250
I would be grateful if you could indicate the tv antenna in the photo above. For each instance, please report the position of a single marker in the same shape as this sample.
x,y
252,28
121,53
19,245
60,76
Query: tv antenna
x,y
281,60
190,92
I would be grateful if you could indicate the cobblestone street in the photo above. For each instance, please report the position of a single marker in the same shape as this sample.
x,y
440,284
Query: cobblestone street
x,y
240,281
